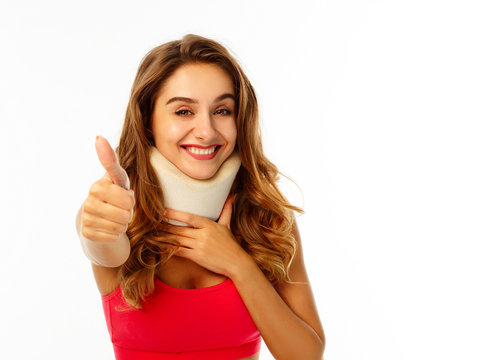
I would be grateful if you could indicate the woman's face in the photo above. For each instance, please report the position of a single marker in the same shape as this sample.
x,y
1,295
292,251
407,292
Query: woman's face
x,y
193,122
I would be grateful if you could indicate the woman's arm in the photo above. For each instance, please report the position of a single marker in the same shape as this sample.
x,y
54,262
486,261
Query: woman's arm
x,y
287,318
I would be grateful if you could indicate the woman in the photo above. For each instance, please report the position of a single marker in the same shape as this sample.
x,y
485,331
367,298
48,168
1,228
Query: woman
x,y
211,289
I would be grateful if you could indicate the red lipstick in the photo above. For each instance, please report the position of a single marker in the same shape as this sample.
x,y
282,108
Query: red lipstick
x,y
201,156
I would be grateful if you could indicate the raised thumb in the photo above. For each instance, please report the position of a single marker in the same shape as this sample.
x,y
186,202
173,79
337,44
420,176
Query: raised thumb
x,y
226,213
109,161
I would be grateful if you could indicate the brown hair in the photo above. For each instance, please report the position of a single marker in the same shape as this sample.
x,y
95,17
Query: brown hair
x,y
262,218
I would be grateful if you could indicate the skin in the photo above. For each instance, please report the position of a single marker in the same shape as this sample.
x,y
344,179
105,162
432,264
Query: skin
x,y
286,316
206,123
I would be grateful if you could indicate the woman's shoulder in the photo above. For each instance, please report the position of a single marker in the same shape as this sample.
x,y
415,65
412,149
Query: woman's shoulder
x,y
106,278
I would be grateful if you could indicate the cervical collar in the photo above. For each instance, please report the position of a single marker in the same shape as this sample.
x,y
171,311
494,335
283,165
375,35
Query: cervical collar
x,y
200,197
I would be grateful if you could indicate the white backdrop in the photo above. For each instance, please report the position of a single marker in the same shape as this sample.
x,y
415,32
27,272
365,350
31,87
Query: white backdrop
x,y
383,112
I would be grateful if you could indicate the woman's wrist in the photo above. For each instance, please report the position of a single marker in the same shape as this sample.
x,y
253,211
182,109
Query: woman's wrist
x,y
243,267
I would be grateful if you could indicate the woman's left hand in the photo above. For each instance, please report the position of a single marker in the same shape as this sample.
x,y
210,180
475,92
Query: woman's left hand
x,y
208,243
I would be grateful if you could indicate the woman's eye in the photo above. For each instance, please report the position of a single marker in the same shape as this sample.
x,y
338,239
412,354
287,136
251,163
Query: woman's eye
x,y
186,112
227,111
182,112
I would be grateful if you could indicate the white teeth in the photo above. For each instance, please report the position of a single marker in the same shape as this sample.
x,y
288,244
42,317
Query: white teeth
x,y
198,151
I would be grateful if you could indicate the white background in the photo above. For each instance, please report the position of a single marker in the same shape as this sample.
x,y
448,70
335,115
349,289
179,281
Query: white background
x,y
383,112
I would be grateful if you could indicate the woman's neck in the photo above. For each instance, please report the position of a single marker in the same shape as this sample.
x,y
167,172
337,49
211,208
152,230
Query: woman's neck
x,y
201,197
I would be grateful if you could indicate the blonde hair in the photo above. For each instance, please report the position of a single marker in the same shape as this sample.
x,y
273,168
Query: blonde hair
x,y
262,218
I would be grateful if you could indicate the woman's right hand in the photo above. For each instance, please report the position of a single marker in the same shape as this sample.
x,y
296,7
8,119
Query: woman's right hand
x,y
108,209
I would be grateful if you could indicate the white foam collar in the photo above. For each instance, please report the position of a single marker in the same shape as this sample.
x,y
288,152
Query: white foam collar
x,y
201,197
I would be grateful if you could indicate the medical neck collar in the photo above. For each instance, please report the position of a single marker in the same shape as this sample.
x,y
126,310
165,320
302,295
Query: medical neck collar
x,y
201,197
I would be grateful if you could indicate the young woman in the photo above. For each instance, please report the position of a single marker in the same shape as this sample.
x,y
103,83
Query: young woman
x,y
176,285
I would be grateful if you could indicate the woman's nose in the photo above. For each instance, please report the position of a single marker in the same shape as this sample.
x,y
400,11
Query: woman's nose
x,y
204,127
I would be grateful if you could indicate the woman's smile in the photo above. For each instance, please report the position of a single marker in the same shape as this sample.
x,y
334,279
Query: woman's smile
x,y
201,152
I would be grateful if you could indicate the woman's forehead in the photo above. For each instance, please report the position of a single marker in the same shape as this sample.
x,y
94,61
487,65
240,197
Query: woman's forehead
x,y
199,82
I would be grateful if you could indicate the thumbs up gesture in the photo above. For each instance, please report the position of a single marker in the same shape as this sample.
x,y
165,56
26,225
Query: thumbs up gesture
x,y
108,209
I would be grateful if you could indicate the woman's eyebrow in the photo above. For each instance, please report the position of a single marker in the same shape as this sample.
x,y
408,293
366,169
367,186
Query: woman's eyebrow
x,y
195,101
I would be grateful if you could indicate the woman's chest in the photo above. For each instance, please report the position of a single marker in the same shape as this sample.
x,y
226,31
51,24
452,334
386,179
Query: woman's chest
x,y
183,273
176,319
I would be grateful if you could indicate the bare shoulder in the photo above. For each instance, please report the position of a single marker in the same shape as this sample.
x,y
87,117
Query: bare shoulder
x,y
106,278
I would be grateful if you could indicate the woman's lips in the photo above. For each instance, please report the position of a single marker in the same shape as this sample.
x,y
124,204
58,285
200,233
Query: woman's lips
x,y
201,156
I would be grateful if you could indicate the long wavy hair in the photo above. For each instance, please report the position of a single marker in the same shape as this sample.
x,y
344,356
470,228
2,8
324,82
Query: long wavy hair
x,y
262,218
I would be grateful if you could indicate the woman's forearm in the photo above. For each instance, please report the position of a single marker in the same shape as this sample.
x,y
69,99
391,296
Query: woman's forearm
x,y
285,334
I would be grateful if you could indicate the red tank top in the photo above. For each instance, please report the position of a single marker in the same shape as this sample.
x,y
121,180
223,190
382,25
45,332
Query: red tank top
x,y
182,324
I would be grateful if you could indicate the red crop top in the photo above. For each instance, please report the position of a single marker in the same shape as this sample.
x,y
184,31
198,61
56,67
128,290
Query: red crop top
x,y
182,324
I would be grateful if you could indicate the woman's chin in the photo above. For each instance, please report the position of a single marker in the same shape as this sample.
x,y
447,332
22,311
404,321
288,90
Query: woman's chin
x,y
200,175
